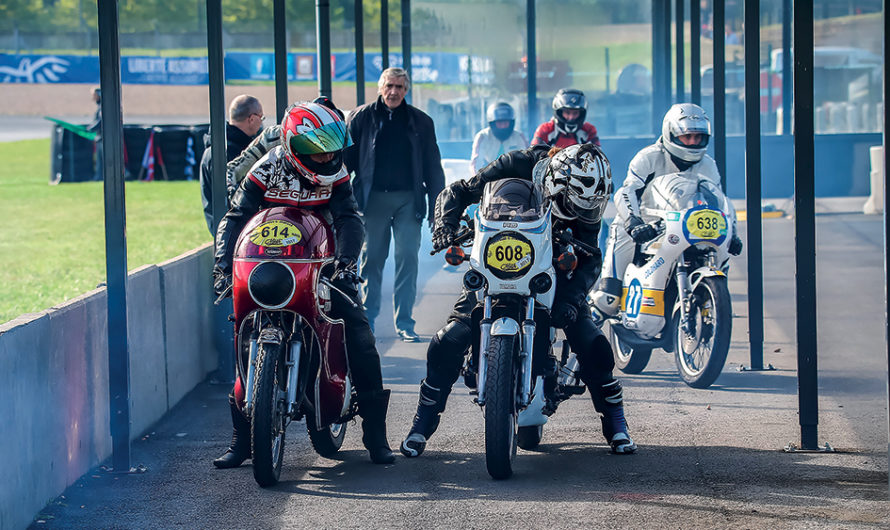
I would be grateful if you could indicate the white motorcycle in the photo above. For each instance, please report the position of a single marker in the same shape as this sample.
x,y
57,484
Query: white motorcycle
x,y
675,294
512,272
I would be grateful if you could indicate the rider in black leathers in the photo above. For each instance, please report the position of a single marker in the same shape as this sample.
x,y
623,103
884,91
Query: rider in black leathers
x,y
577,181
309,174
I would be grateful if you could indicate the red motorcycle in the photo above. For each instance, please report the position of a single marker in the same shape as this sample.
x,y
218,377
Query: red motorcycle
x,y
291,354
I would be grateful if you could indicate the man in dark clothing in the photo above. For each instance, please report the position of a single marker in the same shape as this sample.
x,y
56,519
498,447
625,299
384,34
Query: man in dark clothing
x,y
398,175
96,126
245,121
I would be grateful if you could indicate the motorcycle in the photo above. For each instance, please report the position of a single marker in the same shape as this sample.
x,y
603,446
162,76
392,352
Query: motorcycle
x,y
512,274
291,355
676,295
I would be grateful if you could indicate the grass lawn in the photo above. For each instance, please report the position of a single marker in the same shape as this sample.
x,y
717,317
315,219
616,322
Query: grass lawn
x,y
52,238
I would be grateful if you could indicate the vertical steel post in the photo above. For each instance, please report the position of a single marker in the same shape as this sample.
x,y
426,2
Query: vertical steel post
x,y
218,159
719,72
323,35
406,41
384,34
886,117
680,49
667,92
359,53
753,182
279,15
695,51
115,234
805,224
657,65
786,67
608,72
531,66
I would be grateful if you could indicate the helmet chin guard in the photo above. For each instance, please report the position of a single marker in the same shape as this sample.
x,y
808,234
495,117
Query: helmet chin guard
x,y
682,119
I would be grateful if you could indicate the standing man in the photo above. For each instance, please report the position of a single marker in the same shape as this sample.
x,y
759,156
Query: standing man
x,y
96,125
398,175
245,121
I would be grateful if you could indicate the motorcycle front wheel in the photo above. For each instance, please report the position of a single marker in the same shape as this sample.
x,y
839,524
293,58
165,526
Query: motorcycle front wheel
x,y
628,359
328,440
501,416
269,414
701,348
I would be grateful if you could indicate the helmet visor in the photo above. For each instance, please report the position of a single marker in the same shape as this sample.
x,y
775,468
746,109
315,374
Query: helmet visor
x,y
325,139
588,210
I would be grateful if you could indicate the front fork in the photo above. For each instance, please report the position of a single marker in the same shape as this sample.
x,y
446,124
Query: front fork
x,y
292,365
525,351
684,292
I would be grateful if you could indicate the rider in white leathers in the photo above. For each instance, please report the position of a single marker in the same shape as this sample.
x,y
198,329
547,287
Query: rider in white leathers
x,y
498,138
680,149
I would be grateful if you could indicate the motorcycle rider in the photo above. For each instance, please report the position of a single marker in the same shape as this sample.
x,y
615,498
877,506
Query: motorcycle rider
x,y
306,170
577,181
498,138
567,127
685,133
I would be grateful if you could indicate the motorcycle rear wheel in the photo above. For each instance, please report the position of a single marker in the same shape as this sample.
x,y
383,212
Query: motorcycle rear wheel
x,y
501,416
700,356
529,436
328,440
628,359
269,414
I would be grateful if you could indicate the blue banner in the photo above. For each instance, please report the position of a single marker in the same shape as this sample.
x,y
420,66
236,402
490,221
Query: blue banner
x,y
433,67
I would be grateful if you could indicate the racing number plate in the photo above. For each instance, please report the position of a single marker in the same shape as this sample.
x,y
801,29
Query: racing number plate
x,y
509,254
275,234
706,225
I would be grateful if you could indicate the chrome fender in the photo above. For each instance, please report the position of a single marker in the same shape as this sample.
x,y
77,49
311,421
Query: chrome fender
x,y
504,326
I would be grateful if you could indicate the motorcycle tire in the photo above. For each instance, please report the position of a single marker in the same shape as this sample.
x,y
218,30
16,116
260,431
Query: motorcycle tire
x,y
529,436
501,416
628,359
713,323
328,440
267,423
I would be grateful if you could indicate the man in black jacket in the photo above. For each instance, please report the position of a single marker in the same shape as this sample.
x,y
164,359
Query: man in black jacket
x,y
577,181
245,121
398,175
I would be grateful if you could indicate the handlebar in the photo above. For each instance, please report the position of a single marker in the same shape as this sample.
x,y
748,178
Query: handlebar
x,y
333,287
463,235
567,239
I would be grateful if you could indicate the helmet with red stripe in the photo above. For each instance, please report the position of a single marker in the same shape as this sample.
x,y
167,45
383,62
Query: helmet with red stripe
x,y
313,137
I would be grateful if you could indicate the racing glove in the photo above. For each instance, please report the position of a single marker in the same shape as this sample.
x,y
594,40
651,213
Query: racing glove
x,y
563,314
735,245
639,230
221,281
443,237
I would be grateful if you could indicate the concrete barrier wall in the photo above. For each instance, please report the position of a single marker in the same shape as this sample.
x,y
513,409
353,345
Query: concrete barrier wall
x,y
54,377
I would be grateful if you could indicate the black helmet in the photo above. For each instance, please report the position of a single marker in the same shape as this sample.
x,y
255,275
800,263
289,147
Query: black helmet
x,y
498,112
569,98
326,101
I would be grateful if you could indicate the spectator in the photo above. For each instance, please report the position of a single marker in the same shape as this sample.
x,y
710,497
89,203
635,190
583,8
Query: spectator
x,y
245,121
96,125
498,138
398,175
567,127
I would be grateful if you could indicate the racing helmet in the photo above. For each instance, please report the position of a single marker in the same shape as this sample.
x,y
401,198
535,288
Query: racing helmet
x,y
578,182
312,129
498,112
685,118
569,98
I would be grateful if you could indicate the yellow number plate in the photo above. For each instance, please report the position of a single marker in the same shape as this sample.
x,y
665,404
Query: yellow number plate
x,y
509,255
275,234
706,224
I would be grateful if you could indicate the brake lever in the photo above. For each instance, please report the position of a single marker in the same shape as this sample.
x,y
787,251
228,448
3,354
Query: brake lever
x,y
223,295
340,291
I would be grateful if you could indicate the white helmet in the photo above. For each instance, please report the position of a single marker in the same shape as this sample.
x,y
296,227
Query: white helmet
x,y
685,118
577,181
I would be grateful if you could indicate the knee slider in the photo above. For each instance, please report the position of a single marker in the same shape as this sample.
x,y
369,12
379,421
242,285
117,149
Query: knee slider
x,y
607,296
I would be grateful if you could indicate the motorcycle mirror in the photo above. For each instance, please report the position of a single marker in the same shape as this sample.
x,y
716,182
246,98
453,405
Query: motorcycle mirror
x,y
455,256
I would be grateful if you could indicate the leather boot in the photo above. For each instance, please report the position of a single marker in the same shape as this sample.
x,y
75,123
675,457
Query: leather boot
x,y
239,451
372,408
608,400
430,406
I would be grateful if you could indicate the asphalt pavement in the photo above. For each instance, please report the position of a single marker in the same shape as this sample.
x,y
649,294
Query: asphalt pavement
x,y
708,458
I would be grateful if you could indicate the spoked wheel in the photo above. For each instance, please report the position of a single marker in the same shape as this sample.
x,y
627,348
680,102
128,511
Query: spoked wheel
x,y
628,359
269,415
328,440
501,416
702,343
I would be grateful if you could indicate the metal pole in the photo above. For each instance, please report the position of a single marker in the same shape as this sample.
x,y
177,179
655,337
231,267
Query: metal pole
x,y
805,224
406,41
657,65
786,67
280,23
608,71
886,117
680,49
667,94
531,66
753,182
695,50
115,234
719,71
384,34
359,53
323,34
